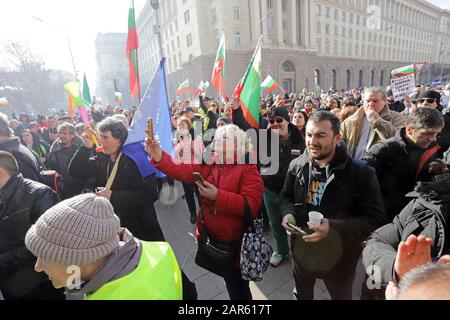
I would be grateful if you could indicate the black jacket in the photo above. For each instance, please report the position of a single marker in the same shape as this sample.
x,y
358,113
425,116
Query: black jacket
x,y
443,138
58,159
427,214
24,202
351,201
396,161
132,196
397,106
28,165
287,152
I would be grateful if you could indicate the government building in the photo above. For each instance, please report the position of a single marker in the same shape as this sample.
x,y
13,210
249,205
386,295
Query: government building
x,y
312,44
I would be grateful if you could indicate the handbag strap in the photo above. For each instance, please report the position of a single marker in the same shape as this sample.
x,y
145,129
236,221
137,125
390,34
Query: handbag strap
x,y
113,175
249,221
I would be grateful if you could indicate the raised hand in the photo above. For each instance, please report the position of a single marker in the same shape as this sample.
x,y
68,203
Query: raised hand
x,y
412,253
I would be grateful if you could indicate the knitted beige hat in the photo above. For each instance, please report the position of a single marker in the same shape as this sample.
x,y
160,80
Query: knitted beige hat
x,y
78,231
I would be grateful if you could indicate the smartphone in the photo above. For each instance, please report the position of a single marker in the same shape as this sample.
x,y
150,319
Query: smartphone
x,y
298,229
150,133
198,177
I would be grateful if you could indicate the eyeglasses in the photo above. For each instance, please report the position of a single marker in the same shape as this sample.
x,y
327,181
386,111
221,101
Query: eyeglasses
x,y
277,120
427,100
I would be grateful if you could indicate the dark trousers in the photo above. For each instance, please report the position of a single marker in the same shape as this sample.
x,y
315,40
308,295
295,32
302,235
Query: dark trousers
x,y
238,288
189,191
338,285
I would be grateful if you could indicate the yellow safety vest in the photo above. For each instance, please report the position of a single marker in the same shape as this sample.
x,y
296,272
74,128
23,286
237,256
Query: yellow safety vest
x,y
157,277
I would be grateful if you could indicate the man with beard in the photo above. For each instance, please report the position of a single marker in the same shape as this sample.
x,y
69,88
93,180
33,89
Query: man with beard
x,y
61,152
345,191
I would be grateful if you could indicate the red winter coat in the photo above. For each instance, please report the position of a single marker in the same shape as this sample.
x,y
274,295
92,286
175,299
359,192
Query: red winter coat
x,y
234,183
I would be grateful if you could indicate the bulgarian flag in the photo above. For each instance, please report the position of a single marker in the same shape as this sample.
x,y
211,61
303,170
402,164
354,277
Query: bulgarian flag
x,y
4,102
184,87
203,86
269,84
218,76
199,89
403,72
132,52
249,88
118,97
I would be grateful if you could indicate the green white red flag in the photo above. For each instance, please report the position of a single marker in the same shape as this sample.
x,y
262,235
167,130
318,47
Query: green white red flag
x,y
132,52
269,84
249,88
183,88
403,71
4,102
218,76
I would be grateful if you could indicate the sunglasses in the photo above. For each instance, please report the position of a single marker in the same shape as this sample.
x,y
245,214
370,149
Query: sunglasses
x,y
277,120
427,100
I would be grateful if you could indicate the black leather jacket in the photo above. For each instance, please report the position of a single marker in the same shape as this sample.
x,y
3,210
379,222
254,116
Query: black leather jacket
x,y
22,202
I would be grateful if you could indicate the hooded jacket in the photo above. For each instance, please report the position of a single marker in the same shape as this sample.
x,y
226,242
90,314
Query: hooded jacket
x,y
427,214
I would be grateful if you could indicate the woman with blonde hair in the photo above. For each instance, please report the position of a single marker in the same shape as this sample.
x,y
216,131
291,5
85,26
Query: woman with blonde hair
x,y
226,185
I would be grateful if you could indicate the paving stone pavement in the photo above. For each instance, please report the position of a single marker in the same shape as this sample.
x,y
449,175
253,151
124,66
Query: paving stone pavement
x,y
277,284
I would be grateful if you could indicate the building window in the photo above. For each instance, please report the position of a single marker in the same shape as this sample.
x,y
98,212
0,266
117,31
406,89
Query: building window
x,y
336,30
327,29
319,45
327,12
284,5
318,27
269,4
351,17
336,14
237,13
213,16
269,22
189,40
344,16
318,10
187,17
335,47
343,31
178,42
350,33
284,24
358,20
237,38
327,47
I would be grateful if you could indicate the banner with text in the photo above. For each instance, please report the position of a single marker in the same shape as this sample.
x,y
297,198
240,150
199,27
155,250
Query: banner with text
x,y
403,86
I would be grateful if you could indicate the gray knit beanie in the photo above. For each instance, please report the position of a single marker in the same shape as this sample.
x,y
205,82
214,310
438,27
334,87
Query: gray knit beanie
x,y
78,231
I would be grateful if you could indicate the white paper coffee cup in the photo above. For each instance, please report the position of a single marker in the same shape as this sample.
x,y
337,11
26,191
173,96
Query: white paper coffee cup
x,y
315,218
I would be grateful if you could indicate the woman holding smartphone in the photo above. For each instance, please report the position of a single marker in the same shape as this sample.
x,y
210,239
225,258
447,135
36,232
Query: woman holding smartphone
x,y
225,185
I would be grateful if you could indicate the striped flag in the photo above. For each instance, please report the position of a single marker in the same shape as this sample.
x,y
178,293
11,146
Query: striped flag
x,y
184,87
249,88
132,52
218,77
404,71
269,84
4,102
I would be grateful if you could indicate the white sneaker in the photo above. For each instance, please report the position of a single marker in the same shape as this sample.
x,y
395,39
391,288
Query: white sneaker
x,y
276,259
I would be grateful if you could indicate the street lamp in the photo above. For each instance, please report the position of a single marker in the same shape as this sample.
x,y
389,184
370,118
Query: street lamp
x,y
157,27
68,41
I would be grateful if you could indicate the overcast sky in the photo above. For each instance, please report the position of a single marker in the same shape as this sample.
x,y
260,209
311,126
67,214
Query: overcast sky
x,y
82,19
